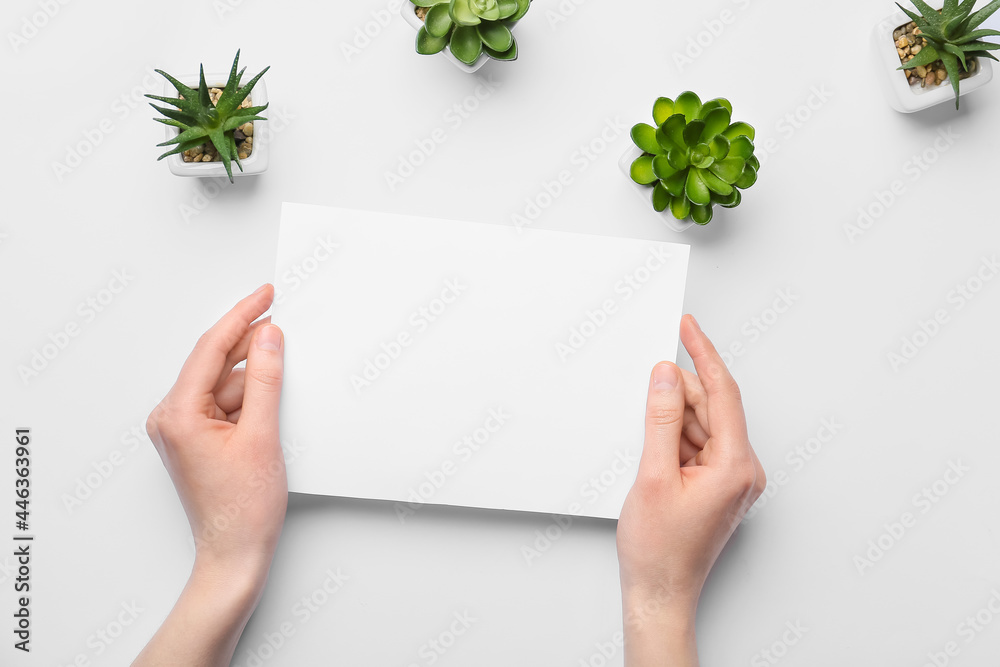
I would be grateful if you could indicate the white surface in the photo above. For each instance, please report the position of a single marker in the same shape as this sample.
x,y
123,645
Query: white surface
x,y
486,346
193,250
898,92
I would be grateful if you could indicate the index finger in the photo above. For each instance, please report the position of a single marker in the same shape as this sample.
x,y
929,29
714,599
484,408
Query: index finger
x,y
200,373
726,420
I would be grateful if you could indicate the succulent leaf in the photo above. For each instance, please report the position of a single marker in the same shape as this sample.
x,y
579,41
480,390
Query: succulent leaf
x,y
738,129
678,159
716,121
729,169
522,9
673,129
696,190
662,167
465,44
427,44
692,132
716,184
487,10
438,21
663,108
680,207
661,198
719,148
462,15
675,184
702,215
642,170
507,8
428,3
497,36
741,147
509,54
979,17
689,104
926,56
951,66
644,136
977,34
747,178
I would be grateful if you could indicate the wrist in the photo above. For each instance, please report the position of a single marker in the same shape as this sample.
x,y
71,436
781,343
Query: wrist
x,y
233,589
659,625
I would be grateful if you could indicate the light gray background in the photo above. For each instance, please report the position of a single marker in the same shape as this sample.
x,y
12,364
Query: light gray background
x,y
339,124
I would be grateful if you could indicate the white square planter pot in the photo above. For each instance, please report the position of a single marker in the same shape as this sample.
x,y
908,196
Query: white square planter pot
x,y
899,93
255,164
646,192
409,14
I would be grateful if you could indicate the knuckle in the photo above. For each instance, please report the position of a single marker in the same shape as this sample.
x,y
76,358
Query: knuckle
x,y
662,415
269,378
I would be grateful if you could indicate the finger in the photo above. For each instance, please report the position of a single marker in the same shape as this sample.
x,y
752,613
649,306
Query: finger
x,y
239,352
262,383
203,367
664,422
688,450
726,421
230,395
696,398
693,430
234,416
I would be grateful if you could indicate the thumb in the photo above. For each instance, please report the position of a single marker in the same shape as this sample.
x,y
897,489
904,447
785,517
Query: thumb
x,y
262,382
664,422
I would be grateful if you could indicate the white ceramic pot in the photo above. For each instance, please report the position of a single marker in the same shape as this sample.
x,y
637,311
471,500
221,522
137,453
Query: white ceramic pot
x,y
408,10
255,164
899,93
646,191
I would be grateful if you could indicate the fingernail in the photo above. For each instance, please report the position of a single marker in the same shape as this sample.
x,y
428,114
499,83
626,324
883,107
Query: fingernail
x,y
664,377
695,322
269,338
261,288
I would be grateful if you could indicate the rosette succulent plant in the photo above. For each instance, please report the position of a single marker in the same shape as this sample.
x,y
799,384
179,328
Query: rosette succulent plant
x,y
952,36
695,157
199,121
470,28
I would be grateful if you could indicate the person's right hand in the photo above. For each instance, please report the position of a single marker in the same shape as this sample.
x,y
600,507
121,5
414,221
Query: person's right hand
x,y
697,477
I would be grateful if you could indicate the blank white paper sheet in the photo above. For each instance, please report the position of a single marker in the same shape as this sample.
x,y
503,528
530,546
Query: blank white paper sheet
x,y
457,363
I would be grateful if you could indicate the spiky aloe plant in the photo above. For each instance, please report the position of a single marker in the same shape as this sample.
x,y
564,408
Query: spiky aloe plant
x,y
198,120
695,157
952,36
470,28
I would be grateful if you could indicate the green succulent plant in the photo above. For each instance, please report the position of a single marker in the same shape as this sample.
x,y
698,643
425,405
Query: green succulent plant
x,y
952,36
470,28
695,157
198,120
